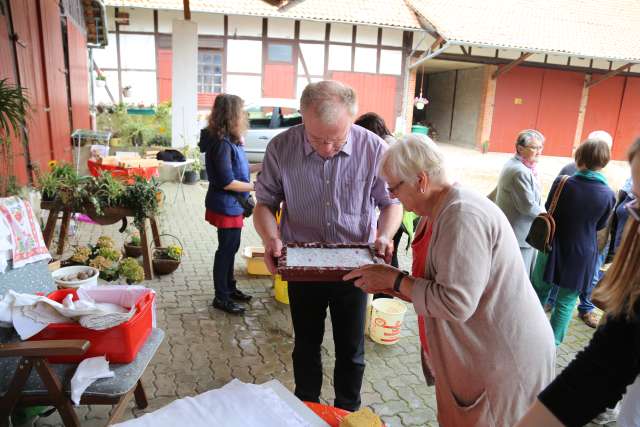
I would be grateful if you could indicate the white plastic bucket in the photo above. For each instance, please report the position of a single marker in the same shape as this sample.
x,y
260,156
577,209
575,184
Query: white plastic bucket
x,y
386,320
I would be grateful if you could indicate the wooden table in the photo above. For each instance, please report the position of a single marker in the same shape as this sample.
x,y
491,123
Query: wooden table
x,y
54,213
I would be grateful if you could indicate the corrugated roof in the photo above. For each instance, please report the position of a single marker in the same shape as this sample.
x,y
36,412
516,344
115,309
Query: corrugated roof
x,y
608,29
385,13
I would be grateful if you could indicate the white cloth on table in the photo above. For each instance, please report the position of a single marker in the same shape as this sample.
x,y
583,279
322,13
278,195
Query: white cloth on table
x,y
87,372
30,314
237,403
5,245
27,243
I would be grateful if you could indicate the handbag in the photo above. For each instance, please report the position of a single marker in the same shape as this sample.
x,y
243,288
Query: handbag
x,y
248,203
543,227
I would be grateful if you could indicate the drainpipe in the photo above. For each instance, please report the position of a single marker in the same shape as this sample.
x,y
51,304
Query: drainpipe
x,y
431,55
92,108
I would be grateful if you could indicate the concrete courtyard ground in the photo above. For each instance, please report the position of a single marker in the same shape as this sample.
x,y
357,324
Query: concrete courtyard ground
x,y
205,348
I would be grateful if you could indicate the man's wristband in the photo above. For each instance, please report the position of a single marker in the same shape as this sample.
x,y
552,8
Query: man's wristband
x,y
401,275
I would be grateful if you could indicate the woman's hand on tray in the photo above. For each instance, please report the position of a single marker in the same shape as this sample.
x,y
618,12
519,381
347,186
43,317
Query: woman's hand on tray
x,y
272,251
374,278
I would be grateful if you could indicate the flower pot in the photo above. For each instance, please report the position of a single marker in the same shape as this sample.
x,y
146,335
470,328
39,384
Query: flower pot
x,y
203,175
101,83
164,266
190,177
132,251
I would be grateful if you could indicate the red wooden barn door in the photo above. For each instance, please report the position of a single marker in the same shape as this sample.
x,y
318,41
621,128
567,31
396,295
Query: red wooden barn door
x,y
516,106
30,68
558,111
78,76
164,75
278,81
537,98
629,121
54,67
603,107
375,93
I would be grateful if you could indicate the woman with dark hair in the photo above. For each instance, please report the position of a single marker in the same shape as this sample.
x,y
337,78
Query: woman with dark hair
x,y
229,182
609,365
373,122
583,207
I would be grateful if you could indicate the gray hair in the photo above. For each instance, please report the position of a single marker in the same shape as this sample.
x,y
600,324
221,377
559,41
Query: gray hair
x,y
415,153
602,135
527,136
325,97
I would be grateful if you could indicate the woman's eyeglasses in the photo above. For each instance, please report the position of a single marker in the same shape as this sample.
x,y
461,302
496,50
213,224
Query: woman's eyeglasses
x,y
633,207
393,190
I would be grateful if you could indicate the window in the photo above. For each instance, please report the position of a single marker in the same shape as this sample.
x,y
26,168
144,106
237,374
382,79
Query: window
x,y
279,52
209,71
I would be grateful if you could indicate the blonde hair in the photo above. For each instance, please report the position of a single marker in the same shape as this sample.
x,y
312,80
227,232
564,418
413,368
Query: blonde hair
x,y
415,153
620,287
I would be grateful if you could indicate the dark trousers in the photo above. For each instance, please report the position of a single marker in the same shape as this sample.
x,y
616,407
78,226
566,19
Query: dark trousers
x,y
347,306
228,245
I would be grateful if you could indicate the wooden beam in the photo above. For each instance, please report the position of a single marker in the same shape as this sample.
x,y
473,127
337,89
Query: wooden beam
x,y
436,43
187,10
510,65
610,74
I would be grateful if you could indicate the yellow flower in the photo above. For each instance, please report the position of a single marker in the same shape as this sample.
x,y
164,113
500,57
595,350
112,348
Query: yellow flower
x,y
52,164
161,130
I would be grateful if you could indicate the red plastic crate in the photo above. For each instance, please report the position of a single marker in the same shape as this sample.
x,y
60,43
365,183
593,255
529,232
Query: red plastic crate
x,y
119,344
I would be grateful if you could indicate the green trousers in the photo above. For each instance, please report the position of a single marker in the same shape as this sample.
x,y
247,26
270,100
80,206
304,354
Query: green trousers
x,y
565,303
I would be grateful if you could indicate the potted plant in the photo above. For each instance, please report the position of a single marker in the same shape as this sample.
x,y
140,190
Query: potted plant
x,y
101,80
133,246
192,174
14,106
167,259
131,271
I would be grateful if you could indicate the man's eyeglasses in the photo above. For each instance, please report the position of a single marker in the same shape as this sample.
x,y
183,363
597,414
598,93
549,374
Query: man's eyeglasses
x,y
535,147
393,190
633,207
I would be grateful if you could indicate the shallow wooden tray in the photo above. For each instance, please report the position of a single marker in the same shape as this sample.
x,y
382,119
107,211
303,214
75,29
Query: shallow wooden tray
x,y
320,274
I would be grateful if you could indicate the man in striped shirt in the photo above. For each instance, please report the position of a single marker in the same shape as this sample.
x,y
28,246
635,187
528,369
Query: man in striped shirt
x,y
324,173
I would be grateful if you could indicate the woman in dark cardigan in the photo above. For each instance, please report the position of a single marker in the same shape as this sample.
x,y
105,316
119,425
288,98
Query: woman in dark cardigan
x,y
583,208
229,178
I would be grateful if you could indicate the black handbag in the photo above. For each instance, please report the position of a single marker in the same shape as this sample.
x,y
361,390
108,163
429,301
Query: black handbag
x,y
543,227
248,203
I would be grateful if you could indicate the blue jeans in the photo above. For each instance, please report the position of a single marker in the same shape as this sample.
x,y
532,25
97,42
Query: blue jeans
x,y
585,305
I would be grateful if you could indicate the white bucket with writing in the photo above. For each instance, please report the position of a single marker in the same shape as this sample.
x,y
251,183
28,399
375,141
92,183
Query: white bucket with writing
x,y
386,320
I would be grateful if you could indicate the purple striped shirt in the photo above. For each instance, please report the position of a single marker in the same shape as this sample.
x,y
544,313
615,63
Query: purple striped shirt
x,y
329,201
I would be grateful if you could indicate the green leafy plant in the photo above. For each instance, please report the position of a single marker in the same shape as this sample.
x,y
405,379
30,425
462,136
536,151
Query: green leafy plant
x,y
105,191
109,253
14,107
101,77
131,270
141,197
82,255
105,242
134,238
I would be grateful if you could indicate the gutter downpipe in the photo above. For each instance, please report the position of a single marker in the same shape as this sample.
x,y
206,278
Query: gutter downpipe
x,y
431,55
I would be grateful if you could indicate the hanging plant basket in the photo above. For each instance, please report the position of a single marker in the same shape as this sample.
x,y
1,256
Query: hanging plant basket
x,y
132,250
109,216
161,264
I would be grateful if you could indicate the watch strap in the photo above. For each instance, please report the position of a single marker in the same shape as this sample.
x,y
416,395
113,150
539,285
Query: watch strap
x,y
401,275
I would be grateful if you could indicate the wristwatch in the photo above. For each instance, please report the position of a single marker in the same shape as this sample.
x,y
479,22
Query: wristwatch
x,y
401,275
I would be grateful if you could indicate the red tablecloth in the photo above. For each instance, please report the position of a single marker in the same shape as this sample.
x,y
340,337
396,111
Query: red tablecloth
x,y
147,173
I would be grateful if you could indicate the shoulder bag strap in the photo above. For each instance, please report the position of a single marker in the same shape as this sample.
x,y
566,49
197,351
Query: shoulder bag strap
x,y
556,194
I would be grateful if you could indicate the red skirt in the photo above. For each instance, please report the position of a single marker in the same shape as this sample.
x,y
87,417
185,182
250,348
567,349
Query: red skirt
x,y
223,221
